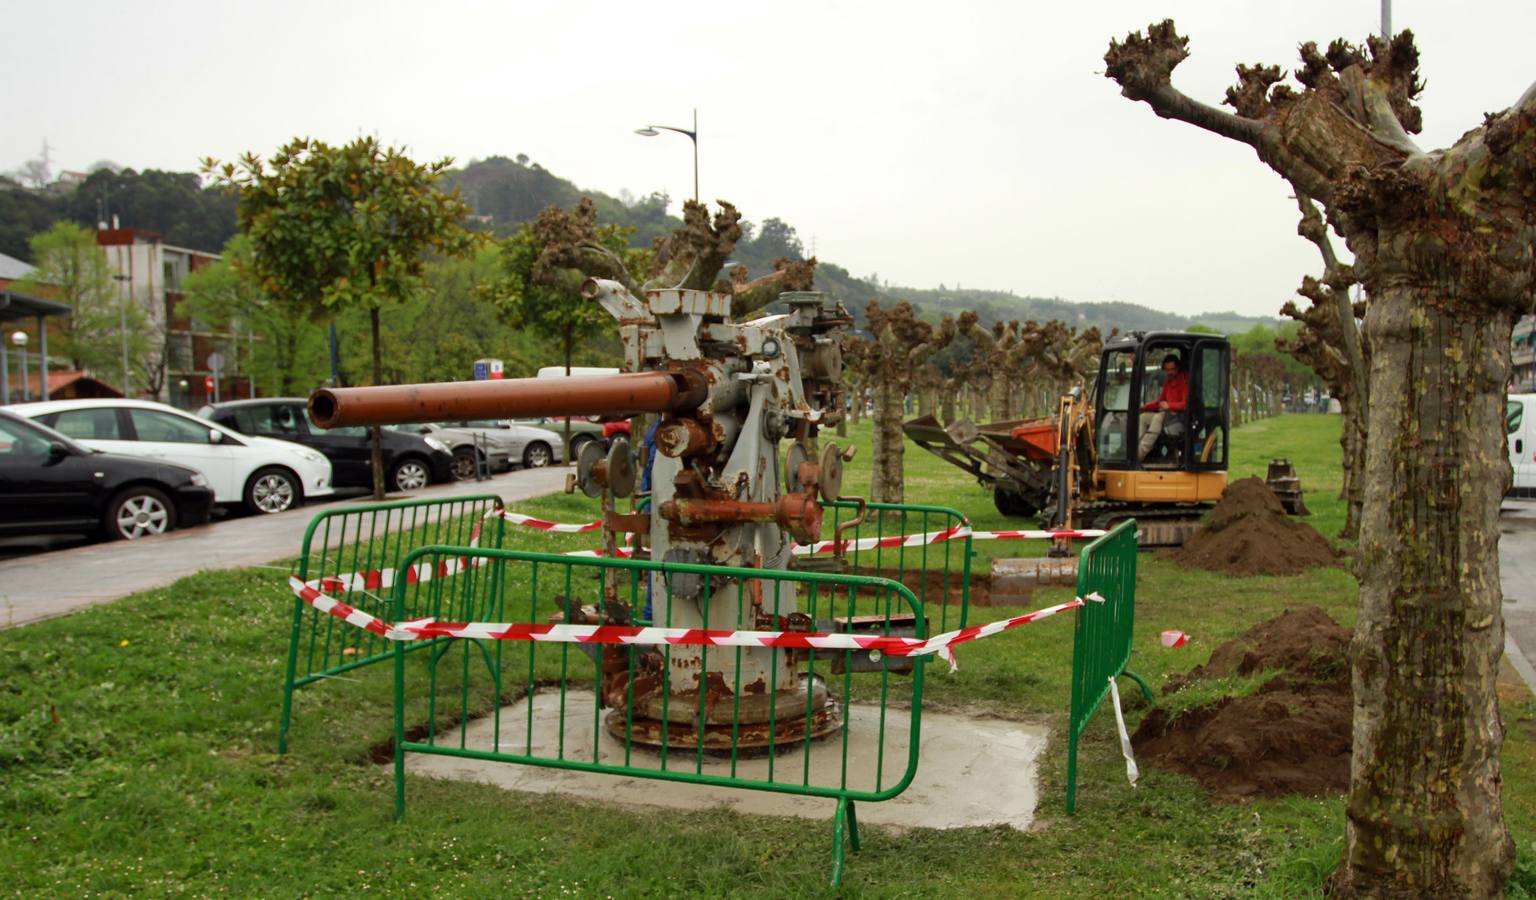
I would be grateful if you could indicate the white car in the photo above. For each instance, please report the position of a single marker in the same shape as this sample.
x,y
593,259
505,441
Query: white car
x,y
266,475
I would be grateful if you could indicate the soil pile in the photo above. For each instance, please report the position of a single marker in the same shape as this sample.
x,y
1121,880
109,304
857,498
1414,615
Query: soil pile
x,y
1291,736
1248,533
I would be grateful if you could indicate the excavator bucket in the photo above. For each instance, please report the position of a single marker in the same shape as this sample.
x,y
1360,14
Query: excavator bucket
x,y
1282,479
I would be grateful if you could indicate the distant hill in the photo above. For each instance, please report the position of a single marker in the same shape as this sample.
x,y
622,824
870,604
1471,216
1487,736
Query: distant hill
x,y
511,191
505,192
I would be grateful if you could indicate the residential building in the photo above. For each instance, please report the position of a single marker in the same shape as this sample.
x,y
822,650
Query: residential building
x,y
1522,356
152,272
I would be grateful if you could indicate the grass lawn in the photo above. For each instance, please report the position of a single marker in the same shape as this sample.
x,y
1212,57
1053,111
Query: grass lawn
x,y
138,739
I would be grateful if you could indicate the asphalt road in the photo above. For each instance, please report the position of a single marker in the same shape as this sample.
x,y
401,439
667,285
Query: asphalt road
x,y
1517,572
43,585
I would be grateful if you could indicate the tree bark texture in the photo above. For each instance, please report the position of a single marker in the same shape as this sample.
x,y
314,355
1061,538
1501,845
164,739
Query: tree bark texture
x,y
1424,812
888,483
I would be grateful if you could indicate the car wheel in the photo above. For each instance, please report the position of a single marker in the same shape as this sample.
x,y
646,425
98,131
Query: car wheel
x,y
537,455
139,512
578,441
273,490
410,475
464,464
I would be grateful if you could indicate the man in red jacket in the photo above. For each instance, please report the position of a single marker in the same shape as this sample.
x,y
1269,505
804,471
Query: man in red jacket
x,y
1170,401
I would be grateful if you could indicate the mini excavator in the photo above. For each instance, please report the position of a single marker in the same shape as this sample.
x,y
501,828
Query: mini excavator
x,y
1084,467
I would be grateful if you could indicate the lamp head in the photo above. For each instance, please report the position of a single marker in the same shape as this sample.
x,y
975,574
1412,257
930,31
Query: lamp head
x,y
647,131
19,338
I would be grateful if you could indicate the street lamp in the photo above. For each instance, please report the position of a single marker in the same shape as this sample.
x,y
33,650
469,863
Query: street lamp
x,y
122,326
652,131
20,340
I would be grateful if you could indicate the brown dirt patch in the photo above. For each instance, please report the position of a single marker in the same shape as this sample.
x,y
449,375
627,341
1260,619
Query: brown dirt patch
x,y
1290,737
938,583
1248,533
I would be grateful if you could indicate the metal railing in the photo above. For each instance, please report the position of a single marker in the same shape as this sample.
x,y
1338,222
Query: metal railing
x,y
746,733
938,573
1101,648
362,543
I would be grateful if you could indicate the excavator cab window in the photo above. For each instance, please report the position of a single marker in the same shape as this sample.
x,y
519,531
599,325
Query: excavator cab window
x,y
1115,387
1208,406
1161,435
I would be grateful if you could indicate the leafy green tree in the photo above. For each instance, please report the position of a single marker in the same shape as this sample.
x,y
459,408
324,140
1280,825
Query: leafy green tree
x,y
173,204
73,270
349,227
288,355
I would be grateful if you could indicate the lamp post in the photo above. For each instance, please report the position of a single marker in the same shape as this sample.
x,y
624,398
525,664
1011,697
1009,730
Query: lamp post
x,y
693,135
20,340
122,325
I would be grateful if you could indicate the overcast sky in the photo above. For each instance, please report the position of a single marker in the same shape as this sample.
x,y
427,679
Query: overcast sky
x,y
957,143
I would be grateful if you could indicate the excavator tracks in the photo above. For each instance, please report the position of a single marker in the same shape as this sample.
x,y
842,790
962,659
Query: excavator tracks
x,y
1167,527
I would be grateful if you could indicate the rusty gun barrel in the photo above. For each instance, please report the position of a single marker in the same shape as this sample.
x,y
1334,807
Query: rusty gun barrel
x,y
624,394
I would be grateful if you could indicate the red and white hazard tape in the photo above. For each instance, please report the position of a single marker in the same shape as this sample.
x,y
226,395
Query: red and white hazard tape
x,y
544,525
422,629
383,579
957,532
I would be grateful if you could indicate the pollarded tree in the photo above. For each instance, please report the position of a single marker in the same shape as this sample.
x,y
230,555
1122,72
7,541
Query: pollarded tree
x,y
1443,243
1329,342
347,227
898,347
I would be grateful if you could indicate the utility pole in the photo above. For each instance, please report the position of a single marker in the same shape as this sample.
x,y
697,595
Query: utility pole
x,y
1386,19
122,319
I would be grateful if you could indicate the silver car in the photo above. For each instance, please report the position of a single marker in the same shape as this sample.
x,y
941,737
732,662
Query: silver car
x,y
527,446
498,455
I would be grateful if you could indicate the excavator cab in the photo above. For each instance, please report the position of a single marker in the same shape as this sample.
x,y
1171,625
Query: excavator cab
x,y
1147,454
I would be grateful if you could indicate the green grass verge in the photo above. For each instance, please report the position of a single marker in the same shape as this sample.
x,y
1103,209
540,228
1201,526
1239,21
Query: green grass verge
x,y
137,756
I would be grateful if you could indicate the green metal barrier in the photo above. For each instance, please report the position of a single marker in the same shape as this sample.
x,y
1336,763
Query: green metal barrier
x,y
469,680
939,574
1102,643
369,539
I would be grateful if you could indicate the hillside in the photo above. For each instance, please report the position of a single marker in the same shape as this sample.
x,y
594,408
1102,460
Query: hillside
x,y
506,192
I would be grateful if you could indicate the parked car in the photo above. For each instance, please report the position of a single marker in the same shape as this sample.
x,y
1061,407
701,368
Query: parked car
x,y
264,475
582,430
411,461
530,447
466,452
50,484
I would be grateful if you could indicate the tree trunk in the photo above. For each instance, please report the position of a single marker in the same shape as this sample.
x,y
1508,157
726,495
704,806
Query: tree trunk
x,y
886,486
566,439
947,404
1352,441
1424,816
927,400
375,439
999,398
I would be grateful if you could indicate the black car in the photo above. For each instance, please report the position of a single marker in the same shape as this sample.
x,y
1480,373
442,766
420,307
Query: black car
x,y
411,461
51,485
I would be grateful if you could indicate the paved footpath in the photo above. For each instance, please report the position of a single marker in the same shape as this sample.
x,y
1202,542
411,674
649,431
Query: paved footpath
x,y
44,585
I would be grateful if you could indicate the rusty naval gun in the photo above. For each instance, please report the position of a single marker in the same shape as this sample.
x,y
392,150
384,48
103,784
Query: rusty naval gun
x,y
728,395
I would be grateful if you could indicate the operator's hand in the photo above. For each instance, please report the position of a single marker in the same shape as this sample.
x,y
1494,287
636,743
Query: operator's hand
x,y
1162,404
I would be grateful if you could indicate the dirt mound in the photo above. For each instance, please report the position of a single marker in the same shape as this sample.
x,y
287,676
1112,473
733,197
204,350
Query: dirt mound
x,y
1291,736
1248,533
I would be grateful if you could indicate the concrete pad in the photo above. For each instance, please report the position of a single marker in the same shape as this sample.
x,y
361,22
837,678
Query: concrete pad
x,y
970,772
